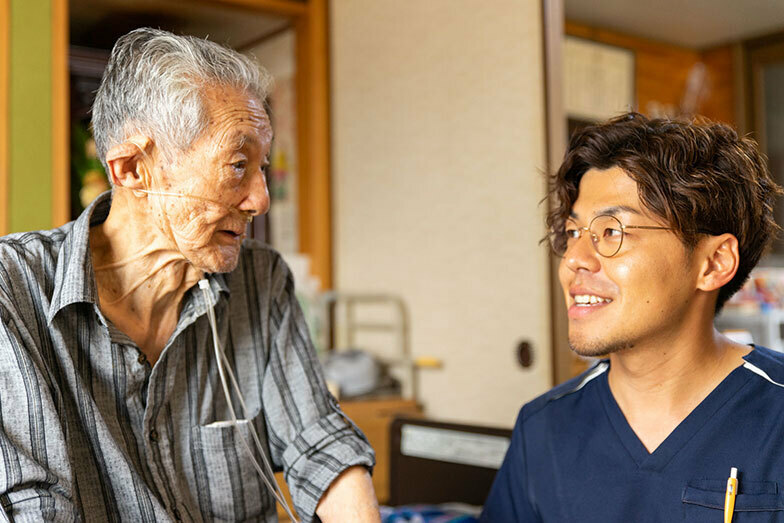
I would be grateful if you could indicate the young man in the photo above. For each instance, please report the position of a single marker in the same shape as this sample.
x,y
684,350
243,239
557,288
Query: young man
x,y
657,224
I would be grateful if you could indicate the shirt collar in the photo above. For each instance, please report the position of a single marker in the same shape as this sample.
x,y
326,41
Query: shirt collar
x,y
218,283
74,280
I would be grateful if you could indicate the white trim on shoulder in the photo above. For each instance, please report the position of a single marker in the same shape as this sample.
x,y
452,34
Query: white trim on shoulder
x,y
760,372
600,367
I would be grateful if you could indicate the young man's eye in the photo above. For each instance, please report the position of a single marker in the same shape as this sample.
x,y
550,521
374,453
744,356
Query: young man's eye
x,y
572,233
611,232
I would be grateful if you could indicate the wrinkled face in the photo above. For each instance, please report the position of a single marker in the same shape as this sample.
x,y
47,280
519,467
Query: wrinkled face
x,y
640,294
222,180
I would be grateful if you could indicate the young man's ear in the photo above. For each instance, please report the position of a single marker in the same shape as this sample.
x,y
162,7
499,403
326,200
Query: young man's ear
x,y
720,261
127,167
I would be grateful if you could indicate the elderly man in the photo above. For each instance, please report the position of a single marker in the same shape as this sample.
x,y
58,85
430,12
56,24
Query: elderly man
x,y
114,404
657,224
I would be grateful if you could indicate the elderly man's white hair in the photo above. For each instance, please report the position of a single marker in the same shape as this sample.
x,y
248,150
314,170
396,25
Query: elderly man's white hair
x,y
153,85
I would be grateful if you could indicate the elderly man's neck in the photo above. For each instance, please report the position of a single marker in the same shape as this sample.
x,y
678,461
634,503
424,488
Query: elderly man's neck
x,y
140,275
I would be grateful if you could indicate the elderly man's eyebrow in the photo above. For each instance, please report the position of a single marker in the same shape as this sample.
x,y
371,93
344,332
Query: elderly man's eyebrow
x,y
240,139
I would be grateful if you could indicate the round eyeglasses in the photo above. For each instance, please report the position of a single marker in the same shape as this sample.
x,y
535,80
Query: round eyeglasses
x,y
606,232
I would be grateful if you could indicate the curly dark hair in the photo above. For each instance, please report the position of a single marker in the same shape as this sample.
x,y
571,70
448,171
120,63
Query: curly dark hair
x,y
698,176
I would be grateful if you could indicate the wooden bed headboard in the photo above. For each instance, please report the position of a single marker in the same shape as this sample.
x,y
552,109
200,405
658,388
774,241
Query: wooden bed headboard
x,y
434,462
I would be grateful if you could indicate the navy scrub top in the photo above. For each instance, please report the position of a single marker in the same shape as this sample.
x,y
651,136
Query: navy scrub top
x,y
573,456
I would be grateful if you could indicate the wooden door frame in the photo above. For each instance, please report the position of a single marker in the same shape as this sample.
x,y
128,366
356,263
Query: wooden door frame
x,y
309,21
756,54
61,136
5,23
553,19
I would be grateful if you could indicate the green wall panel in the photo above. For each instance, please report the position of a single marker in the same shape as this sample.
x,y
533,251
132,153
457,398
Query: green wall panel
x,y
30,114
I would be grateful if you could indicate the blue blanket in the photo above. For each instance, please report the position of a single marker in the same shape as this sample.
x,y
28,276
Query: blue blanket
x,y
427,514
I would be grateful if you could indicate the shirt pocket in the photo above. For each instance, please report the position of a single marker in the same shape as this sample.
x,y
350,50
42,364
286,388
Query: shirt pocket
x,y
228,483
756,501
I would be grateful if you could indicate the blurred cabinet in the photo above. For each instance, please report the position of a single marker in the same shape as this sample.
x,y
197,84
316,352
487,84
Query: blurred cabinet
x,y
374,418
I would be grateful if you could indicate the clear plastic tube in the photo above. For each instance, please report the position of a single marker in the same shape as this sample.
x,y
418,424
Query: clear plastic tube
x,y
221,358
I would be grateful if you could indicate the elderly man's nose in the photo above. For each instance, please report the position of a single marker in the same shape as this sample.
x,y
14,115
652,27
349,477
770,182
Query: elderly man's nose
x,y
257,200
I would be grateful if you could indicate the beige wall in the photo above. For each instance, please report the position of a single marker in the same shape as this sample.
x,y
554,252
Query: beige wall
x,y
438,143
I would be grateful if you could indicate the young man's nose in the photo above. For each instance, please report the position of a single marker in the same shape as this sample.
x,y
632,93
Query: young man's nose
x,y
582,254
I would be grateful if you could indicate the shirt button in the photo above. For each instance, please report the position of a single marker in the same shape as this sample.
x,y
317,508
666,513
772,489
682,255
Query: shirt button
x,y
142,359
153,435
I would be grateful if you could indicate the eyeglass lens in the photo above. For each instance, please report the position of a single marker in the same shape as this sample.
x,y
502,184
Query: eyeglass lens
x,y
606,235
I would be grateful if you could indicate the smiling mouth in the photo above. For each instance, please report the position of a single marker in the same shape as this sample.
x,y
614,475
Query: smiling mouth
x,y
590,300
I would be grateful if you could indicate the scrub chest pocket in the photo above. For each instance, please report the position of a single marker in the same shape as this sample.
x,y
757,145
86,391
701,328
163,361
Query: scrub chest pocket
x,y
757,501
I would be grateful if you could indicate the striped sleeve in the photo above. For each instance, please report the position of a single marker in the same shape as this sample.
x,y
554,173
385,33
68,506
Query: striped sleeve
x,y
310,436
35,474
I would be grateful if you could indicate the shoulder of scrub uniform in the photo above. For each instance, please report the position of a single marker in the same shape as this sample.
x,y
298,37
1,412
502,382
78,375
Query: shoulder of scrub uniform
x,y
769,361
564,389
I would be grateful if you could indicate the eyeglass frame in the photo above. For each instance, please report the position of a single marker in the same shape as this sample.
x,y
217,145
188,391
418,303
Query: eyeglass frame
x,y
595,239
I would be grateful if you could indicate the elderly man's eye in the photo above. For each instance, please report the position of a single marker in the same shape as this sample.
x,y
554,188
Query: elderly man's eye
x,y
239,165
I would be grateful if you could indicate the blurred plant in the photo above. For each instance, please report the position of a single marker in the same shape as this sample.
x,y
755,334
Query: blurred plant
x,y
88,177
279,175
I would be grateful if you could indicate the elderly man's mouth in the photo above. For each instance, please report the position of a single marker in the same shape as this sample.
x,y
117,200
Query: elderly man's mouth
x,y
231,235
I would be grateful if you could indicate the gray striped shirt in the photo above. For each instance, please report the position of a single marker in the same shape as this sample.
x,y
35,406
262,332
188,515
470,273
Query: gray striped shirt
x,y
90,431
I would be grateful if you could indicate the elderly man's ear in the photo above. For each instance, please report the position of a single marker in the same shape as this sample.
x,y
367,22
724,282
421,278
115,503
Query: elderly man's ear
x,y
127,167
